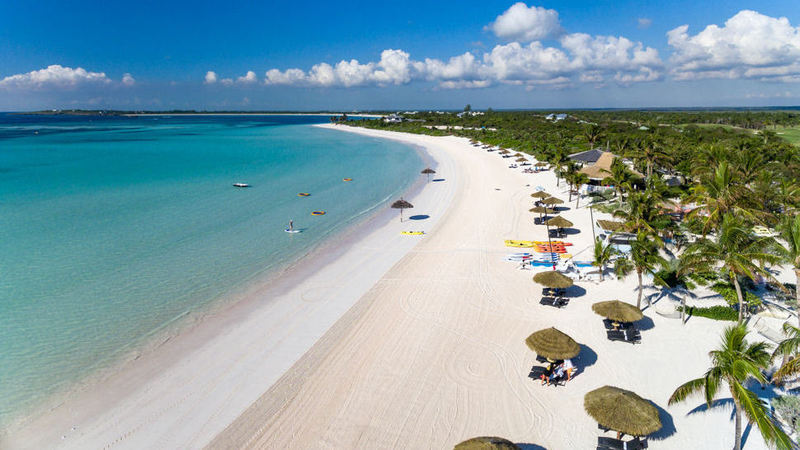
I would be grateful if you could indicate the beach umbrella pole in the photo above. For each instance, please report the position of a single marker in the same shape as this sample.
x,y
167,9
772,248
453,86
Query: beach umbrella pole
x,y
550,245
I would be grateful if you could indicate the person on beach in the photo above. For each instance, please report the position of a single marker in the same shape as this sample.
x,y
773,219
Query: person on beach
x,y
568,368
558,374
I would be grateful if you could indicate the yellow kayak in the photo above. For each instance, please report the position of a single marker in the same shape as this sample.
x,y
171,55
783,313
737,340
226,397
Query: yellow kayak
x,y
412,233
522,244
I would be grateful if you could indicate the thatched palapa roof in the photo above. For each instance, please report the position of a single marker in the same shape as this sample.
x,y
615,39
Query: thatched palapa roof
x,y
540,210
553,279
618,311
486,443
552,343
622,411
540,194
611,225
559,222
552,201
601,168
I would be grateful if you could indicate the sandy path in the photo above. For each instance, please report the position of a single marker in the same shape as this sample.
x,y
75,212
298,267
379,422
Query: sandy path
x,y
434,353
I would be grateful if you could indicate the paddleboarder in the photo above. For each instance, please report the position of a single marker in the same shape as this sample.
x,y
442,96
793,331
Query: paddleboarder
x,y
291,225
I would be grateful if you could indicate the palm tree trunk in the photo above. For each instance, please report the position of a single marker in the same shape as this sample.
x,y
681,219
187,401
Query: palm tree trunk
x,y
639,299
619,194
578,198
739,296
797,291
737,443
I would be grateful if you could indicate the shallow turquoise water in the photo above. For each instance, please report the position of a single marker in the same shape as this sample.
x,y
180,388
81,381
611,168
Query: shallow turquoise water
x,y
111,229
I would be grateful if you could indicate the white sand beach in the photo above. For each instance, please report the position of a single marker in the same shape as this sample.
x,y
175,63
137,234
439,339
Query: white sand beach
x,y
401,342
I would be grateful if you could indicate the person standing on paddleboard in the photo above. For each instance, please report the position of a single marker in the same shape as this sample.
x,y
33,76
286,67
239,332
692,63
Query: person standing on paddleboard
x,y
291,225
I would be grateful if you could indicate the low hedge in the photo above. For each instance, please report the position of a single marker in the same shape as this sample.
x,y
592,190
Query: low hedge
x,y
713,312
728,292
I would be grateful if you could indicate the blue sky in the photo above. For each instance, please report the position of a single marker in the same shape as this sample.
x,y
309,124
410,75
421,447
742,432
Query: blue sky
x,y
410,54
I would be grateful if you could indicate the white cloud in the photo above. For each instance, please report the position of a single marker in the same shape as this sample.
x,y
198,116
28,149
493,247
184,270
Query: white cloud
x,y
520,22
643,23
226,81
54,76
248,78
211,77
128,80
749,45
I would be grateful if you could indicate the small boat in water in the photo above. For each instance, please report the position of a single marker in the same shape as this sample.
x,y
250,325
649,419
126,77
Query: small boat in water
x,y
241,185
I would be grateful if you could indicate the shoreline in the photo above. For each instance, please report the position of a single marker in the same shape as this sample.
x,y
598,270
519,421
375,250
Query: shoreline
x,y
135,370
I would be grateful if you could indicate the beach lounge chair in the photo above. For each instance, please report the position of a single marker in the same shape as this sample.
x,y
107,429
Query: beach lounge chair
x,y
607,443
614,335
547,301
768,332
537,372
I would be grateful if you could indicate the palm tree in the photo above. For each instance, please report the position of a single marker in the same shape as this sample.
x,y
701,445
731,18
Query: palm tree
x,y
650,152
603,255
592,133
720,192
735,362
643,258
788,349
737,250
790,232
642,213
578,180
620,177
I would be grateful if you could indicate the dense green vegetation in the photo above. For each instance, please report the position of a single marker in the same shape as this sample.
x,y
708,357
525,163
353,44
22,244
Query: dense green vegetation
x,y
727,219
713,312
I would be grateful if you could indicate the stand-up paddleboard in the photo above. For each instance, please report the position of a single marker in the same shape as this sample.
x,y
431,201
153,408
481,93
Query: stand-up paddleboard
x,y
347,179
413,233
303,194
317,213
291,231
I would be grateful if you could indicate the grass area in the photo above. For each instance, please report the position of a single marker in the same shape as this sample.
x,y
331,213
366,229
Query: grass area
x,y
791,134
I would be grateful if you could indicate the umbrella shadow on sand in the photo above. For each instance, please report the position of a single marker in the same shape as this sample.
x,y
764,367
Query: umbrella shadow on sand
x,y
575,291
586,358
645,323
530,447
667,425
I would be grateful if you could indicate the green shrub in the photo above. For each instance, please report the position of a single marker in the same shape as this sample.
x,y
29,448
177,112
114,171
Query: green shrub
x,y
787,408
728,292
713,312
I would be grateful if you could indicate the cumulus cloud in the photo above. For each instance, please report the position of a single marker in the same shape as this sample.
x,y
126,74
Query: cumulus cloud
x,y
749,45
643,23
54,76
520,22
394,68
128,80
211,77
248,78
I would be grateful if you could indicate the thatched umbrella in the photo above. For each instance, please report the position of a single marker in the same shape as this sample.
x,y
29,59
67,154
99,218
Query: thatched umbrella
x,y
552,201
486,443
520,159
518,154
618,311
503,152
553,279
401,205
553,344
559,222
541,210
540,195
428,172
622,411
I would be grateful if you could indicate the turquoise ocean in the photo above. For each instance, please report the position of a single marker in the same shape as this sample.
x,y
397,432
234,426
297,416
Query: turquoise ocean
x,y
112,229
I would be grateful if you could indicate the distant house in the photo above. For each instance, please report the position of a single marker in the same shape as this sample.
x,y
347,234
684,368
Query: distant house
x,y
393,118
587,157
469,113
601,167
556,117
